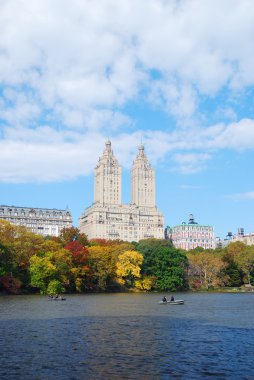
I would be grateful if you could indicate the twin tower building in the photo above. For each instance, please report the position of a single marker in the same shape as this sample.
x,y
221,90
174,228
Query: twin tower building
x,y
107,218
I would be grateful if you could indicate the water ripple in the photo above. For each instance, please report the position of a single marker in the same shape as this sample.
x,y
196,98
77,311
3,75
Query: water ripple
x,y
153,343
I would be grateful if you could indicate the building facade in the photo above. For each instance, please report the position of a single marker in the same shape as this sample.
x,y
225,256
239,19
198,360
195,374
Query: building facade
x,y
107,218
42,221
247,239
191,235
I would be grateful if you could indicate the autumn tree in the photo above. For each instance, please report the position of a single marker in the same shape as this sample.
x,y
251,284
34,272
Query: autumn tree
x,y
78,251
7,232
9,281
23,244
128,267
245,260
233,273
145,283
70,234
235,248
50,266
101,242
206,268
80,269
42,271
102,264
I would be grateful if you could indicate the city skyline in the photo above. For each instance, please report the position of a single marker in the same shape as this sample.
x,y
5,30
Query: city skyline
x,y
176,76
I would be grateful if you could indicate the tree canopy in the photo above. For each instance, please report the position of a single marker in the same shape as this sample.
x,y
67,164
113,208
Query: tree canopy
x,y
72,263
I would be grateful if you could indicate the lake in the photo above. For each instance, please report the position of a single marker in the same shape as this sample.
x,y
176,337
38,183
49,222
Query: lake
x,y
127,336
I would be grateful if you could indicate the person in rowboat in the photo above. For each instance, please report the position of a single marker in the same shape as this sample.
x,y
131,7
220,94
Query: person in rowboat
x,y
164,299
172,298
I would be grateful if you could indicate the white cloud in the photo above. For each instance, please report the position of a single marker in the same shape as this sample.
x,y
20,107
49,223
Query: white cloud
x,y
191,163
239,136
68,69
88,55
241,196
47,154
24,161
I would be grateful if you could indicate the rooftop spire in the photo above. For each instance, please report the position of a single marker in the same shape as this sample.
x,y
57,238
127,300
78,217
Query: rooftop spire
x,y
141,150
108,146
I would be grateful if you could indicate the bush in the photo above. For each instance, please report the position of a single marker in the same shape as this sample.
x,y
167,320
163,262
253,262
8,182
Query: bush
x,y
55,287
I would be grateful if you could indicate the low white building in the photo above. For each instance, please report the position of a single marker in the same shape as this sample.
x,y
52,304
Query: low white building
x,y
42,221
247,239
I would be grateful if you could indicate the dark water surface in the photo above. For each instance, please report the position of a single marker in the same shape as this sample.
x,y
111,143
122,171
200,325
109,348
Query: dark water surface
x,y
127,336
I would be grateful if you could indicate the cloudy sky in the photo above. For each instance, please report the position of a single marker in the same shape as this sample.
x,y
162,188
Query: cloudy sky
x,y
177,75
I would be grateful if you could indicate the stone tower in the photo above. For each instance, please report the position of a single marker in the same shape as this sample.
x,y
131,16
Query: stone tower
x,y
142,181
108,179
107,217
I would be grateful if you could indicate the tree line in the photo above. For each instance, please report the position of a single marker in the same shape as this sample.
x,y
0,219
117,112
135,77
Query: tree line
x,y
72,263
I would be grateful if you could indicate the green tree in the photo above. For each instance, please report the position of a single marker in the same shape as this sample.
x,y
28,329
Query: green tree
x,y
55,287
170,269
6,260
232,273
165,262
149,249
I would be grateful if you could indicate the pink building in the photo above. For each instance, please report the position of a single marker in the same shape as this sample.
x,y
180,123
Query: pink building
x,y
191,235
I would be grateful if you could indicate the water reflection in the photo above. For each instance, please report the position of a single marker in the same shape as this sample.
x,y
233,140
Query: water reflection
x,y
127,337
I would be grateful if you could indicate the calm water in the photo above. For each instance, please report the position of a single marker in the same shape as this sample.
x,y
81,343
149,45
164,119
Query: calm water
x,y
127,336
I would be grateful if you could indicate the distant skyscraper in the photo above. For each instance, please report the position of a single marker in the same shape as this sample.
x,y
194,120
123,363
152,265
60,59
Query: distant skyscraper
x,y
191,235
107,217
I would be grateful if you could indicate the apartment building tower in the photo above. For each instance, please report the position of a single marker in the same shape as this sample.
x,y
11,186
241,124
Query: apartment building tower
x,y
107,218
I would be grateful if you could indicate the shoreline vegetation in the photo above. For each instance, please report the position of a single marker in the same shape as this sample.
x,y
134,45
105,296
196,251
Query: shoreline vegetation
x,y
70,263
211,290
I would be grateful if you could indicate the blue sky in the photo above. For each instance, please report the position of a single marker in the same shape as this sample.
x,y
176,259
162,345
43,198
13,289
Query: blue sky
x,y
177,75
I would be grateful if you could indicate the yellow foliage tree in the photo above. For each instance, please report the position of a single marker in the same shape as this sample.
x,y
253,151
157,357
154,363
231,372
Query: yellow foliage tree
x,y
128,266
102,263
145,283
205,266
235,248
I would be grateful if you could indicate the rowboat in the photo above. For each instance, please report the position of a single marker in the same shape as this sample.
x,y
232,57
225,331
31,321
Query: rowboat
x,y
175,302
56,299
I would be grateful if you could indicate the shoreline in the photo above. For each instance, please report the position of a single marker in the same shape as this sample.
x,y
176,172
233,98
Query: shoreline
x,y
217,290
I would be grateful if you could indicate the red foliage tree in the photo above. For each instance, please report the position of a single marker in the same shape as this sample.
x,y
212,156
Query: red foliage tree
x,y
103,242
71,234
10,284
78,251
